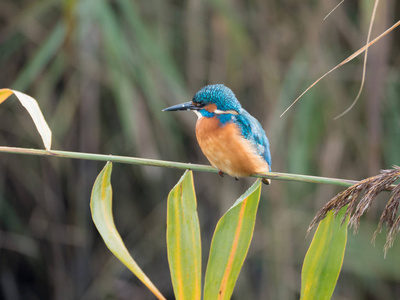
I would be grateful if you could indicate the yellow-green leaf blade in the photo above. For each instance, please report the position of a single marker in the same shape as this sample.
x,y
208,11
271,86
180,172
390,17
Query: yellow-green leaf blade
x,y
183,240
4,94
101,207
324,258
34,111
230,244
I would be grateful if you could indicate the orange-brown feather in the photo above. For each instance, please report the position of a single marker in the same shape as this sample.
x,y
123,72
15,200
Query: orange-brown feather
x,y
211,107
227,149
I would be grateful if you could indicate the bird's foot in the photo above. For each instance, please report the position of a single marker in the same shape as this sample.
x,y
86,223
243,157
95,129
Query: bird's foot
x,y
236,178
266,181
221,174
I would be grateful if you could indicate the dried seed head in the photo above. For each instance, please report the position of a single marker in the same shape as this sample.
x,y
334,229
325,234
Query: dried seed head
x,y
370,188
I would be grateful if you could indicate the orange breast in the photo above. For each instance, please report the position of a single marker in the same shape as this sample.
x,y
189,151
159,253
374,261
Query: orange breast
x,y
227,149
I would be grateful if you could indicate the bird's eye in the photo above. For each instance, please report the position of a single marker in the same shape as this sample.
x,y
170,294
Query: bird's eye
x,y
198,104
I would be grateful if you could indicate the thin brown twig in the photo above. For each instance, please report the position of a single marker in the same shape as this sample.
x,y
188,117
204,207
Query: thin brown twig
x,y
351,57
333,9
364,65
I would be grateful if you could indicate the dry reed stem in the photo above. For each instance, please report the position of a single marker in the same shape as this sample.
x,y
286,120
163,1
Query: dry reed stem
x,y
351,57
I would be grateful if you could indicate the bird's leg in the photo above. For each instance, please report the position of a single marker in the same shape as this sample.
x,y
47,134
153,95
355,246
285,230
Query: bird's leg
x,y
236,178
220,173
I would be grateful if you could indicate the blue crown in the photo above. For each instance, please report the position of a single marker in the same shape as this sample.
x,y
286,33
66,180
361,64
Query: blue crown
x,y
219,95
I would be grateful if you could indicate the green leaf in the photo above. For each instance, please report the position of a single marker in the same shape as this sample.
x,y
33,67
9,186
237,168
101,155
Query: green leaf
x,y
101,207
183,239
324,258
230,244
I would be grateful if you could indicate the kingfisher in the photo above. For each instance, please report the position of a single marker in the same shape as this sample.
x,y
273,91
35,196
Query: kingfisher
x,y
233,141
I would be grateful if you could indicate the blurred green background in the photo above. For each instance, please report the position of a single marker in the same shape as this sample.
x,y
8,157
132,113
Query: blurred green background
x,y
102,71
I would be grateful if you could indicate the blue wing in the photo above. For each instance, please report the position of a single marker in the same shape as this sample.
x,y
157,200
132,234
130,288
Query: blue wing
x,y
253,131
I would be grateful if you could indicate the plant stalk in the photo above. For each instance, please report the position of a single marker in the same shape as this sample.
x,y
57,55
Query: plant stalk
x,y
170,164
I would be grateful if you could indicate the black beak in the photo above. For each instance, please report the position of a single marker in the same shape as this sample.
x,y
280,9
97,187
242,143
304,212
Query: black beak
x,y
182,106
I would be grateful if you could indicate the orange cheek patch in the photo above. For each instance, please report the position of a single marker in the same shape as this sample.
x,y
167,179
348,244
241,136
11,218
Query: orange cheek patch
x,y
210,107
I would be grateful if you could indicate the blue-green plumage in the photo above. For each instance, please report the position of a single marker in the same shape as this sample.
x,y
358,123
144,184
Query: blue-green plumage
x,y
219,95
252,131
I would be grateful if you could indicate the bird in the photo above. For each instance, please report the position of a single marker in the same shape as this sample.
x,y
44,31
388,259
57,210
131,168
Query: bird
x,y
233,141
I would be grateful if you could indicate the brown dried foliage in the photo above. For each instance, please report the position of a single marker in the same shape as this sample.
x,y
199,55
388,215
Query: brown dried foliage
x,y
369,188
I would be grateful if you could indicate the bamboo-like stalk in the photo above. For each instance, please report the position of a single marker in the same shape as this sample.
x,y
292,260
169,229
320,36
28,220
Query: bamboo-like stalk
x,y
170,164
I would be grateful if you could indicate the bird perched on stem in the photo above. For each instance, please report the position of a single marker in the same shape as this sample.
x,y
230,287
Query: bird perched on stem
x,y
231,139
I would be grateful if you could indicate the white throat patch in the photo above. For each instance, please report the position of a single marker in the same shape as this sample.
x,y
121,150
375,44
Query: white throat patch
x,y
221,112
197,113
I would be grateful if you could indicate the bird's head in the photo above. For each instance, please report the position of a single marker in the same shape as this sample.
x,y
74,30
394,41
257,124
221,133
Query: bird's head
x,y
215,98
